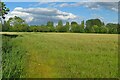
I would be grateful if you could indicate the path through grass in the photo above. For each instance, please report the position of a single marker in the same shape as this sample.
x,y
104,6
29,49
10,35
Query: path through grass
x,y
66,55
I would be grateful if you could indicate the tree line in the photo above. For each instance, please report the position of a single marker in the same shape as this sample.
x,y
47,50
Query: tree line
x,y
17,24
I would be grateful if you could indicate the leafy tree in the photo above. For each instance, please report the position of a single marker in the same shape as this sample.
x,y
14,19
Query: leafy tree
x,y
60,27
50,26
81,29
67,27
0,27
33,28
44,28
3,10
89,29
60,23
6,26
118,29
64,28
90,23
82,24
103,29
96,29
18,24
75,27
113,28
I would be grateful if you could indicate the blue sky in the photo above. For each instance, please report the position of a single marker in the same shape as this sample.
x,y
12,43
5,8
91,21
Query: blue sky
x,y
41,12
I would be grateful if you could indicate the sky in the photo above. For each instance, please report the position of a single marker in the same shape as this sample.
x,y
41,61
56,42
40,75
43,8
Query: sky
x,y
60,0
37,13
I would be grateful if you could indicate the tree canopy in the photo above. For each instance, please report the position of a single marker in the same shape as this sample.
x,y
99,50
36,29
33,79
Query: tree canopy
x,y
91,26
3,9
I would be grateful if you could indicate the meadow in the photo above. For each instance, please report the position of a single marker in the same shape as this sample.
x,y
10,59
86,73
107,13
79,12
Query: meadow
x,y
65,55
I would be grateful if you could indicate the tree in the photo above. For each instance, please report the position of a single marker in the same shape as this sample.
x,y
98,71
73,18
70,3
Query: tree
x,y
75,27
18,24
33,28
60,23
66,27
90,23
103,29
96,29
60,27
113,28
6,26
82,26
118,29
0,27
50,26
4,10
89,29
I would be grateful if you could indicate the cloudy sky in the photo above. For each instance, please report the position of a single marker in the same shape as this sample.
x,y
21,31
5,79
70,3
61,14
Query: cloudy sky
x,y
41,12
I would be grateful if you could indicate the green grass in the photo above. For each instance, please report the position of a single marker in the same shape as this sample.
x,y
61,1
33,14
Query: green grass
x,y
0,56
66,55
13,58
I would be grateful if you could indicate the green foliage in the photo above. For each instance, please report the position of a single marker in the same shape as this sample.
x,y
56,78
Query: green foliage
x,y
103,29
89,30
90,23
50,26
3,9
118,29
67,27
0,27
113,28
82,27
17,24
96,29
60,23
60,27
15,21
82,24
75,27
13,58
6,26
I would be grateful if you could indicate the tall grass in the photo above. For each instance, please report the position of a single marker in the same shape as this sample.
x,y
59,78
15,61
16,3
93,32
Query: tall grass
x,y
63,55
67,55
0,56
13,58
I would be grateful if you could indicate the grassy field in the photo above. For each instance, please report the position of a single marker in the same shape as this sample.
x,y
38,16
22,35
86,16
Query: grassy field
x,y
66,55
0,56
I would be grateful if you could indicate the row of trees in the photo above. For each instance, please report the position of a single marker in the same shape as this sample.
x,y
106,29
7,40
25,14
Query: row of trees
x,y
16,24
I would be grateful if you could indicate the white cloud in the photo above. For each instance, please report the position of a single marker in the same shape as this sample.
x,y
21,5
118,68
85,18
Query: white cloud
x,y
40,15
38,4
93,5
63,5
102,0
